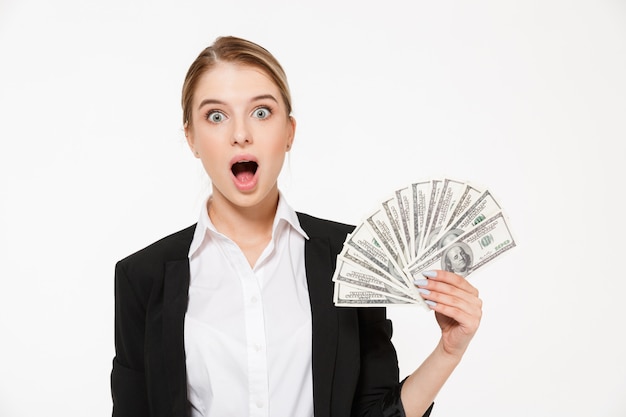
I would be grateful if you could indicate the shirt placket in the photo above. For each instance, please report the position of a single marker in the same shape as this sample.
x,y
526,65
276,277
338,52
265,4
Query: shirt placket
x,y
256,343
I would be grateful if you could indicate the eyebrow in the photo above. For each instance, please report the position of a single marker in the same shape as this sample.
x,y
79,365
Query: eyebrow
x,y
256,98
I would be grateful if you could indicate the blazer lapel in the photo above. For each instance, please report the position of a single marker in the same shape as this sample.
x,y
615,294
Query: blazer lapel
x,y
320,264
319,267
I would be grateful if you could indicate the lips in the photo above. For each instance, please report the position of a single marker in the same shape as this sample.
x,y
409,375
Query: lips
x,y
244,169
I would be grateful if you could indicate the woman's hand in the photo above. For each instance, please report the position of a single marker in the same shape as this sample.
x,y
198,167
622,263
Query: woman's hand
x,y
457,308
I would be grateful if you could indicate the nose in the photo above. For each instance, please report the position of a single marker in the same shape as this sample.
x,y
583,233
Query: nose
x,y
241,134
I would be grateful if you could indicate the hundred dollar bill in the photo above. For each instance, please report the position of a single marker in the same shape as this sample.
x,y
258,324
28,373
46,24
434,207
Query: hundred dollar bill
x,y
485,206
366,242
356,266
470,194
435,192
403,198
471,251
380,225
358,277
393,212
347,296
451,191
420,192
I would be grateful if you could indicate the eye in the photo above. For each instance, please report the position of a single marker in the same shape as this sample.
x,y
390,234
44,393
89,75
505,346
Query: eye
x,y
215,116
261,113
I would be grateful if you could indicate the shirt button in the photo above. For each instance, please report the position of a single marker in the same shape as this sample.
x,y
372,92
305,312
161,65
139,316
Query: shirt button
x,y
257,347
253,300
259,404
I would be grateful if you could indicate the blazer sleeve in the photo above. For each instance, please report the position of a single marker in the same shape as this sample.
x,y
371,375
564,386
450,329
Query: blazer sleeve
x,y
378,390
128,382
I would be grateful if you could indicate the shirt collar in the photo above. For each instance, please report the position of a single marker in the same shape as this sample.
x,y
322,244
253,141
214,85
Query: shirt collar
x,y
284,214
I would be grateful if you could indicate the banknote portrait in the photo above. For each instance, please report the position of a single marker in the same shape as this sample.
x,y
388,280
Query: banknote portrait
x,y
458,259
432,236
449,237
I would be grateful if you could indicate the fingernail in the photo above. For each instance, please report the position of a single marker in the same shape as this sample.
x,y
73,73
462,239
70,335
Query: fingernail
x,y
423,291
430,303
429,274
421,282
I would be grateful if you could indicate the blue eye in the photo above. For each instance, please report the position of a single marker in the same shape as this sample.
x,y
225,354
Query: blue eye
x,y
215,116
262,113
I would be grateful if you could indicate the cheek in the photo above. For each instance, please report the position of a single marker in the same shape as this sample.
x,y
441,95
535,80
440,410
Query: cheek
x,y
273,140
211,154
285,137
276,153
210,139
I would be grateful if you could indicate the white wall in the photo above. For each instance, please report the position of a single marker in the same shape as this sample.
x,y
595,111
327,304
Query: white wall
x,y
527,98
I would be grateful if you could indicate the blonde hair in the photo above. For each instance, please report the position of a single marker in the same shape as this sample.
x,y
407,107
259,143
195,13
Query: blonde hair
x,y
238,51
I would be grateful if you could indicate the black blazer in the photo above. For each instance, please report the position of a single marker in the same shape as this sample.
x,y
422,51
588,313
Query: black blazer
x,y
355,368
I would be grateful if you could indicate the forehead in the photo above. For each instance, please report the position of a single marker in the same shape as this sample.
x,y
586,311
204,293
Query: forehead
x,y
455,250
234,81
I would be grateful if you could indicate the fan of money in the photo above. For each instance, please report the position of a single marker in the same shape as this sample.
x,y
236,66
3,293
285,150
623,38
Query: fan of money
x,y
435,224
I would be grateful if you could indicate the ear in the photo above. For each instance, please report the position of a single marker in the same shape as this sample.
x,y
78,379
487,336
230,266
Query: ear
x,y
292,132
190,139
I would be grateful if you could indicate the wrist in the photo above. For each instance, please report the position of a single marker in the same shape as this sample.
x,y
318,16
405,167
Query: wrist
x,y
452,356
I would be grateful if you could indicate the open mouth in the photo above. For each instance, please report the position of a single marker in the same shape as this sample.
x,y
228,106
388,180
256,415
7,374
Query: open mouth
x,y
244,170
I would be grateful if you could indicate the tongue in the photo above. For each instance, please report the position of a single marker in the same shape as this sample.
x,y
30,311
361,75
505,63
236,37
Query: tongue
x,y
244,176
244,171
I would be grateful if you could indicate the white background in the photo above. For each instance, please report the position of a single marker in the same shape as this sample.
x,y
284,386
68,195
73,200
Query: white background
x,y
526,98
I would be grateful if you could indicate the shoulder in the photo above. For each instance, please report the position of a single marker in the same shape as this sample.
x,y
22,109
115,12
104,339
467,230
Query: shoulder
x,y
334,233
316,227
170,248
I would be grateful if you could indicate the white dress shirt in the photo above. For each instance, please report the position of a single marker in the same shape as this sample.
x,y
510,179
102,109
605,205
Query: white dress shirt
x,y
248,330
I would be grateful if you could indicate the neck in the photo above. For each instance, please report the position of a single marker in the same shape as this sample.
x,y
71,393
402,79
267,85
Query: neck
x,y
247,226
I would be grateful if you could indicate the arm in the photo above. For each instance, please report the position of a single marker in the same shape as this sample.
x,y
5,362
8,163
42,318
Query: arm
x,y
128,385
458,311
378,374
378,391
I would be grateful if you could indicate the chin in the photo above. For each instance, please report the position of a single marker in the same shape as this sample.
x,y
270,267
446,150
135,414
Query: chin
x,y
251,198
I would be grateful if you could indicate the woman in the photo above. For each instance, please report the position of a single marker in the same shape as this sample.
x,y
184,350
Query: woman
x,y
234,316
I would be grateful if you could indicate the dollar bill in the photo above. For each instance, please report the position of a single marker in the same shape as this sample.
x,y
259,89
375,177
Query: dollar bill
x,y
365,241
470,251
451,191
356,262
351,274
393,212
435,192
420,196
379,223
347,296
470,194
485,206
403,198
361,276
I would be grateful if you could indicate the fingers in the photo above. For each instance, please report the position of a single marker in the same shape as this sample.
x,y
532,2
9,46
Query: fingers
x,y
452,279
451,295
